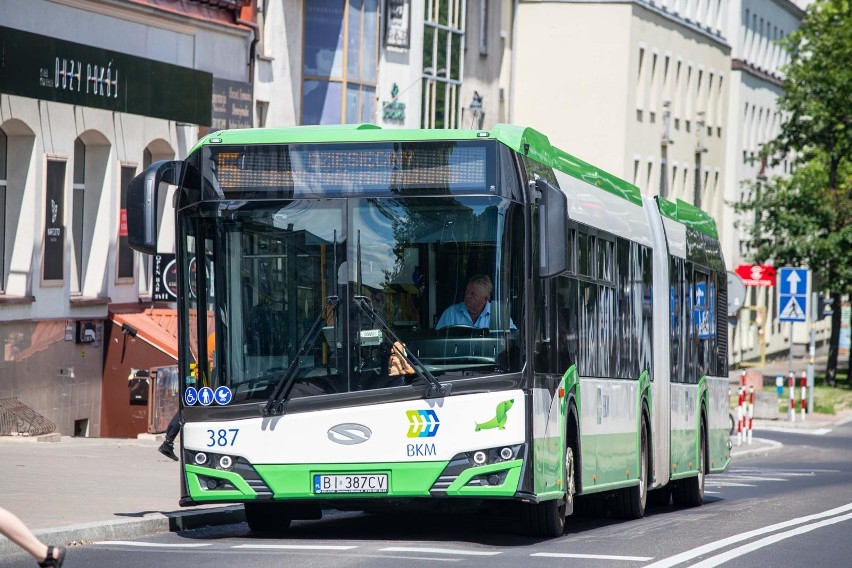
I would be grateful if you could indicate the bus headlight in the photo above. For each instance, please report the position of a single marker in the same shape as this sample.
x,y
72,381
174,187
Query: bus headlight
x,y
200,458
479,458
225,462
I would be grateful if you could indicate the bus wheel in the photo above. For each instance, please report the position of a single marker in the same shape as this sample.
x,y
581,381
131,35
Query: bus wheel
x,y
547,519
630,502
690,491
266,517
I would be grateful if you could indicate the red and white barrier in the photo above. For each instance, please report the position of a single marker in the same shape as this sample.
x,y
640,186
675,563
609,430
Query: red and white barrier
x,y
741,411
804,392
792,383
750,412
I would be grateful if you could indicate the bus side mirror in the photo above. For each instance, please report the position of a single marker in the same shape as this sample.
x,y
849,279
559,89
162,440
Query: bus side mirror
x,y
144,203
553,230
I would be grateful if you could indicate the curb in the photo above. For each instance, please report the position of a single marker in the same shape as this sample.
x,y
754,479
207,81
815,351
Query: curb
x,y
152,523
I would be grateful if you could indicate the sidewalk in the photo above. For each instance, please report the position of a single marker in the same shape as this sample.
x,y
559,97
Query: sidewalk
x,y
86,489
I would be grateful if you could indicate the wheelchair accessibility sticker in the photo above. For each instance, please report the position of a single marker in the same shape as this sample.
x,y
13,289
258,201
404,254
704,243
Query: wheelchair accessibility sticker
x,y
190,396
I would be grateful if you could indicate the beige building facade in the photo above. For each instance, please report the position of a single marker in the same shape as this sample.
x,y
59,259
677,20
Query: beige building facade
x,y
631,87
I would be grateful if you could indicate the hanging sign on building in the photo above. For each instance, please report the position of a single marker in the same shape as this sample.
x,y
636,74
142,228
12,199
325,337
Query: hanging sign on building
x,y
46,68
398,23
232,105
393,110
165,278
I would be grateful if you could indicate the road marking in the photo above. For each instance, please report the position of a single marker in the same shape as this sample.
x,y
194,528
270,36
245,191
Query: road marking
x,y
710,547
296,546
794,430
438,551
150,544
752,546
737,477
592,556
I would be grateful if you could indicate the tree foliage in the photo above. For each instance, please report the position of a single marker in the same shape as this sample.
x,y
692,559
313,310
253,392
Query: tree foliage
x,y
805,219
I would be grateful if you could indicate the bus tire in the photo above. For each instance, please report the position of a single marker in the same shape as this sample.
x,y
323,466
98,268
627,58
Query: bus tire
x,y
630,502
266,517
547,519
690,491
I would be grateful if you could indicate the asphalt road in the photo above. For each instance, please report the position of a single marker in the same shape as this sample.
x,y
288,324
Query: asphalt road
x,y
789,507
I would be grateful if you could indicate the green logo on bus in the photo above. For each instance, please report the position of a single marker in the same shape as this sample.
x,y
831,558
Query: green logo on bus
x,y
499,420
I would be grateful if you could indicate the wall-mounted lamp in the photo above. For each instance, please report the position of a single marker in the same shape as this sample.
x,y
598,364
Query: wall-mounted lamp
x,y
128,329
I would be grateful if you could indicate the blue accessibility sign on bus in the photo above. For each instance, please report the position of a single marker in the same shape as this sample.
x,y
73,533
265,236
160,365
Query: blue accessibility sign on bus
x,y
223,395
205,396
190,396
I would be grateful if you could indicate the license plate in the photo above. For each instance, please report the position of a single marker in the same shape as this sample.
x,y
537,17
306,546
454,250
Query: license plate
x,y
351,483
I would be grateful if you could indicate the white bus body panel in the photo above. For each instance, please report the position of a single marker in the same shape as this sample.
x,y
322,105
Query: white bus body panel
x,y
393,435
598,208
660,414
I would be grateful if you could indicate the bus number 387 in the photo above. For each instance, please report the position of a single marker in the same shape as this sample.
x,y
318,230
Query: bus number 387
x,y
222,437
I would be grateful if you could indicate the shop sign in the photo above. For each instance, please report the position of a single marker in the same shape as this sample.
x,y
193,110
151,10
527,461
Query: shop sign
x,y
46,68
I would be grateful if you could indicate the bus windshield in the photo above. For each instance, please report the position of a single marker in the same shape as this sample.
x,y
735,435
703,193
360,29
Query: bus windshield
x,y
393,266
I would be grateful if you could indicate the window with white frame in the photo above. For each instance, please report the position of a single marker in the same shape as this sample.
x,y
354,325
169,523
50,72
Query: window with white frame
x,y
443,44
340,61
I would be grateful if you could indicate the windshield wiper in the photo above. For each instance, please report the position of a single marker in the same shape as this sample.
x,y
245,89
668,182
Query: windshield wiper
x,y
275,403
435,389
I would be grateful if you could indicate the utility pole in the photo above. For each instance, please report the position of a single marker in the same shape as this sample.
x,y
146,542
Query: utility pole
x,y
700,148
664,149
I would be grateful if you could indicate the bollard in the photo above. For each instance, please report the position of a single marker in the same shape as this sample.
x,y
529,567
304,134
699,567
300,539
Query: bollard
x,y
804,392
791,415
779,385
750,412
740,416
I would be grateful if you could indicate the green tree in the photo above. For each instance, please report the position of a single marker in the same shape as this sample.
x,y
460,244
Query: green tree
x,y
806,219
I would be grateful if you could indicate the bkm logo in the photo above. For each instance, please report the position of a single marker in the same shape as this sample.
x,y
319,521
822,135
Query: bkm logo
x,y
422,423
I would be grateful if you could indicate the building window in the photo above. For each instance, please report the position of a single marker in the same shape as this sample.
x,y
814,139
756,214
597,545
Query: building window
x,y
125,253
340,60
443,43
483,27
53,261
78,204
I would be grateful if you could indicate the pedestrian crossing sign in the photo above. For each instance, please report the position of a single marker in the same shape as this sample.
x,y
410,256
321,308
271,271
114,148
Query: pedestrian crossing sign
x,y
792,311
793,285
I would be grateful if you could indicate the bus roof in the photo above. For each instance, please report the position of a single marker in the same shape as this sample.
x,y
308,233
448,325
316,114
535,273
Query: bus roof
x,y
689,215
526,141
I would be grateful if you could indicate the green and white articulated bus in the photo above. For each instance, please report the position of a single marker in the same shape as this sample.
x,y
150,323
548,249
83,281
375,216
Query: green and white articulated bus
x,y
314,266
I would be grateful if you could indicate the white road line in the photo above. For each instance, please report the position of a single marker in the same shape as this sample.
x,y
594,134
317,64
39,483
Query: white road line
x,y
422,550
794,430
295,546
714,483
735,477
707,548
592,556
752,546
151,544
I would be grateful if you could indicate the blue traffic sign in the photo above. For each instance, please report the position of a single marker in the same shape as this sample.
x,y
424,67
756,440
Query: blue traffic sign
x,y
793,294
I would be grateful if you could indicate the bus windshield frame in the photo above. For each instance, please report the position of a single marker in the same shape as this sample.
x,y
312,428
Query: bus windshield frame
x,y
276,255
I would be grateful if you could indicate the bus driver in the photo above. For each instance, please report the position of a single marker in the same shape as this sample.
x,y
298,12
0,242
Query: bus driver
x,y
475,310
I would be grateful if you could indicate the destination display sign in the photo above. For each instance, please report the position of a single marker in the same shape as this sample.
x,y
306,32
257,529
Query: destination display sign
x,y
355,167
